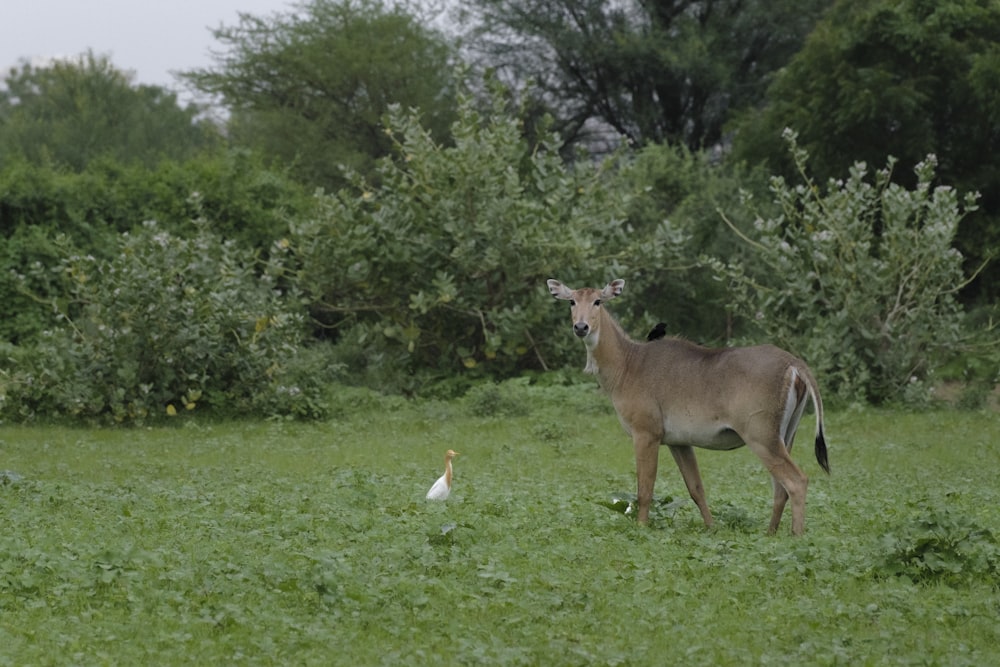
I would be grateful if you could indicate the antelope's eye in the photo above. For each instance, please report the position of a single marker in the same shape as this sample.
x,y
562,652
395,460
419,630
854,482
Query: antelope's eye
x,y
572,302
597,303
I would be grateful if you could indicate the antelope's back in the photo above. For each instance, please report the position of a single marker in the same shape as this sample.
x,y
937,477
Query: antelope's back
x,y
683,374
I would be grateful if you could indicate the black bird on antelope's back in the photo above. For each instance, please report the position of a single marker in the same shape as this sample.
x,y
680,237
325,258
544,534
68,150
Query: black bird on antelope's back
x,y
657,332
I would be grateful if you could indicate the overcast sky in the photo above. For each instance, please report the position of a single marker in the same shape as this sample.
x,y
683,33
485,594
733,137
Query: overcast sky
x,y
150,38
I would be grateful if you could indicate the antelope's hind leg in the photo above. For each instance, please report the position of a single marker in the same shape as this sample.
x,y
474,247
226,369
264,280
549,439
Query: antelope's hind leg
x,y
790,483
791,478
780,494
780,498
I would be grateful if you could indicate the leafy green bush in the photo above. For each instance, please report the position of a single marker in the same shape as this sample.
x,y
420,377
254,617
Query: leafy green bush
x,y
232,193
168,324
976,364
491,399
861,280
521,396
938,546
233,190
673,221
25,309
438,269
346,401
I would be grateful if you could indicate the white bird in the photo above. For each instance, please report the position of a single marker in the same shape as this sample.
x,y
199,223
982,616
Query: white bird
x,y
442,487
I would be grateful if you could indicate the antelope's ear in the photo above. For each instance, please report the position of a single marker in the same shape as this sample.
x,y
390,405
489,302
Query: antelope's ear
x,y
613,289
559,290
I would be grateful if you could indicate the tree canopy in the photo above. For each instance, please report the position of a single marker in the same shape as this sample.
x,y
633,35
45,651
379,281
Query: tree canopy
x,y
651,71
311,87
74,111
901,78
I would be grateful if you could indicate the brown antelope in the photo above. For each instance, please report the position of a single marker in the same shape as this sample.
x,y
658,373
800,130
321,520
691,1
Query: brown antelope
x,y
672,392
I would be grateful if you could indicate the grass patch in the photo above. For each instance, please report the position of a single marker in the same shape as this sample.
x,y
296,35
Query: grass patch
x,y
288,543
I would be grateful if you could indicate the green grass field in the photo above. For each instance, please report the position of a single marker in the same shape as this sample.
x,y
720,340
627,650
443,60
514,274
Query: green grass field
x,y
312,544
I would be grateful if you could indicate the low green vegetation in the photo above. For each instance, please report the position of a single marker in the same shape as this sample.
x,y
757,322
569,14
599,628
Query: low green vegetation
x,y
311,543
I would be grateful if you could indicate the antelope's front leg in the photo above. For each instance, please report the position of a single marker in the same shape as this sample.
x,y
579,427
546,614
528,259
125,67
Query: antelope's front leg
x,y
647,452
688,465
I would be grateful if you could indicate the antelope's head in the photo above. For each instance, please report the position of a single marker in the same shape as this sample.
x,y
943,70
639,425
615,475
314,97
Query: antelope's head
x,y
586,306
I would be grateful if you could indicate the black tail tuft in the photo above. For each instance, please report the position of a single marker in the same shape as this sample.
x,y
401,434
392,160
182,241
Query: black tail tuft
x,y
821,451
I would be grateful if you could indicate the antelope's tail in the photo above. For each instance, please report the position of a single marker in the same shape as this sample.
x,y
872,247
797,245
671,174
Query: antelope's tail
x,y
821,456
821,449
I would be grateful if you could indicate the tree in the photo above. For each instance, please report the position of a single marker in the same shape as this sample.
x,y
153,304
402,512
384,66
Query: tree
x,y
675,221
874,313
901,78
437,269
311,87
651,71
72,112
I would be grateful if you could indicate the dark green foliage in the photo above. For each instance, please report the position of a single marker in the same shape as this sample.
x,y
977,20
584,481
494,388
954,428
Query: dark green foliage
x,y
167,324
29,291
674,221
72,112
311,87
859,278
85,205
490,399
424,274
233,190
652,71
46,212
904,78
439,268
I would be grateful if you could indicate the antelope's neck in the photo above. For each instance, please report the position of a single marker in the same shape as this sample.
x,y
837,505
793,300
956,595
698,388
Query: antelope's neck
x,y
608,356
